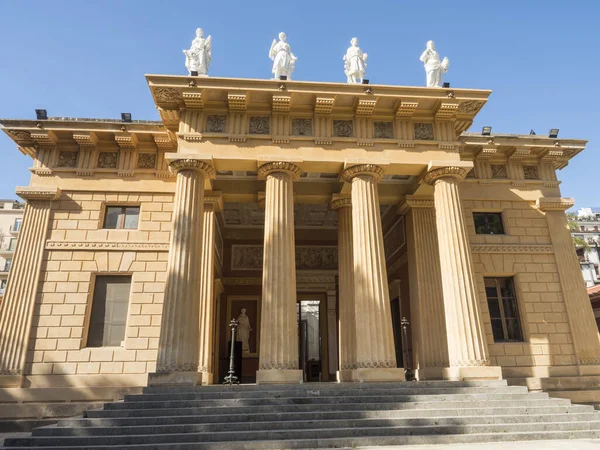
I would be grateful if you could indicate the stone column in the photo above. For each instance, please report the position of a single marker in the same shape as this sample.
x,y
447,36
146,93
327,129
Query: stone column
x,y
375,353
213,202
467,348
23,279
586,340
428,321
278,361
347,322
177,361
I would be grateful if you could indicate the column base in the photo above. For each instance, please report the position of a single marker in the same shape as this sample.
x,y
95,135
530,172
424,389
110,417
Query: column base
x,y
206,378
11,381
589,370
430,373
344,376
174,379
277,376
472,373
376,375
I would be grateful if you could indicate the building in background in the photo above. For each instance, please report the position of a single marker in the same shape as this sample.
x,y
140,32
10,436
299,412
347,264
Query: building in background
x,y
585,229
11,216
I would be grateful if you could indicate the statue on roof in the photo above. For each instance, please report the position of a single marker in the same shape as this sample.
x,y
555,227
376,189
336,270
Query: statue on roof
x,y
282,57
434,69
355,63
198,57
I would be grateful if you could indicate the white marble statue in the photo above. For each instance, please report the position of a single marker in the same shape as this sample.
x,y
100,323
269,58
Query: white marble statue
x,y
355,63
433,67
243,331
283,58
197,58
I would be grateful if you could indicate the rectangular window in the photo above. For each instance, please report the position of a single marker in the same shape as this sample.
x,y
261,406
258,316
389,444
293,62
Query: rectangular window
x,y
504,311
109,311
2,286
488,223
12,244
7,264
17,225
121,217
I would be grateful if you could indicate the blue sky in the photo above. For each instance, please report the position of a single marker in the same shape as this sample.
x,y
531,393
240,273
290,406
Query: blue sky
x,y
541,59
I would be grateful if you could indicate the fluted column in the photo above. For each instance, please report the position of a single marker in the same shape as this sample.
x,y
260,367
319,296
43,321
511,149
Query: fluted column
x,y
212,203
17,310
278,360
425,282
375,353
467,348
347,322
177,361
586,341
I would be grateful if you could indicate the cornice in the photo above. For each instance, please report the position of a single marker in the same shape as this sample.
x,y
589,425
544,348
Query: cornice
x,y
108,246
363,169
280,167
554,203
38,193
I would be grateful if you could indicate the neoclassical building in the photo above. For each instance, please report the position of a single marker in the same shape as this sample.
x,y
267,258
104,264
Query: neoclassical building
x,y
323,212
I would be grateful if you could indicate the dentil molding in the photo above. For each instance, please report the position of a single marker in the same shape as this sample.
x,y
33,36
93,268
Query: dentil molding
x,y
110,246
510,248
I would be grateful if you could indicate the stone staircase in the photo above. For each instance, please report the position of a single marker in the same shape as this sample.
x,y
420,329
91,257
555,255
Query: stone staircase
x,y
320,415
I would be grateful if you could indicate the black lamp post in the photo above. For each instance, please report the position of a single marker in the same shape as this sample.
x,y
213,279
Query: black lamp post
x,y
231,378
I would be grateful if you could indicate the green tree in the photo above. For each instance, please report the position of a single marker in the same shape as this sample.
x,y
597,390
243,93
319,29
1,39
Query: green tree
x,y
574,226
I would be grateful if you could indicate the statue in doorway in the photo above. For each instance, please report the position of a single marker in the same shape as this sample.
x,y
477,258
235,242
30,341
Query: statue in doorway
x,y
243,331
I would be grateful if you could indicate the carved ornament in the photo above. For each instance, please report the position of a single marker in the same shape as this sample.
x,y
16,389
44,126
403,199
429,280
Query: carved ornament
x,y
280,167
470,107
190,164
343,128
372,170
185,367
259,125
339,203
365,107
282,103
33,193
470,363
458,173
146,161
499,171
237,102
108,160
67,159
268,365
19,135
216,124
554,203
414,202
531,172
85,139
407,109
110,246
383,130
301,127
166,95
423,131
308,257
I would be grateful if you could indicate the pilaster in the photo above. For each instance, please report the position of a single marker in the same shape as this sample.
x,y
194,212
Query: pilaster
x,y
278,360
19,300
467,349
213,202
426,295
586,340
375,353
347,321
177,361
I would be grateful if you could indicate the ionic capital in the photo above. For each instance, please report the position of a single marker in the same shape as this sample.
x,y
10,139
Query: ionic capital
x,y
456,172
197,165
280,167
38,193
372,170
339,203
214,200
554,203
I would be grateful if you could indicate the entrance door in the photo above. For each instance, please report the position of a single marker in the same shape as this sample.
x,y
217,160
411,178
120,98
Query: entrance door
x,y
312,338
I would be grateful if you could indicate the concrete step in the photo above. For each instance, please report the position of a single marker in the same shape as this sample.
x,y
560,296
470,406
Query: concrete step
x,y
592,418
323,385
45,410
318,400
66,394
291,435
572,410
209,394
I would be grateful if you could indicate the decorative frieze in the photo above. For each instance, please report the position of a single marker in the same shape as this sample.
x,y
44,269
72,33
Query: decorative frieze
x,y
216,124
19,135
383,130
423,131
470,107
146,161
343,128
301,127
108,246
108,160
499,171
67,159
511,248
250,257
259,125
166,95
531,172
